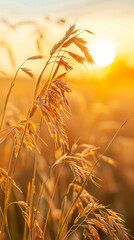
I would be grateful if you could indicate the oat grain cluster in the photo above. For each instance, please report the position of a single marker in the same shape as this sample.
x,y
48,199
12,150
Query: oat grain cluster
x,y
78,214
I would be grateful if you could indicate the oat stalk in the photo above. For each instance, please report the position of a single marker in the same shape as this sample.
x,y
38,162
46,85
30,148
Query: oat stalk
x,y
84,183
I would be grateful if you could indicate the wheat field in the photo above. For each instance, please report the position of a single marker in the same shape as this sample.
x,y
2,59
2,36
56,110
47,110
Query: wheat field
x,y
63,147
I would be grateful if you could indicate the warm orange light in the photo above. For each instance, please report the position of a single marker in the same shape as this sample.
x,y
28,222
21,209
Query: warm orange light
x,y
103,53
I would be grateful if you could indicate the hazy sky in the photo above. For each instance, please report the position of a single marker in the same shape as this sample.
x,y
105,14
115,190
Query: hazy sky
x,y
36,6
16,8
108,19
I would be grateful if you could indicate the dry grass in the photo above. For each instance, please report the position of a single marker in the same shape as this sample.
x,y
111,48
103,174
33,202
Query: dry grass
x,y
45,215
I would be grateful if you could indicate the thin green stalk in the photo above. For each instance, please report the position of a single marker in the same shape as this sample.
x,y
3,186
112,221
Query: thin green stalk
x,y
84,183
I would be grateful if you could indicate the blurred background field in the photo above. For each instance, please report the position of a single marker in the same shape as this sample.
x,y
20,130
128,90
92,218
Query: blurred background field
x,y
102,98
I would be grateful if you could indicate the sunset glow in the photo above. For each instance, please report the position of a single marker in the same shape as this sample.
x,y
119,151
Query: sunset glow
x,y
66,119
103,53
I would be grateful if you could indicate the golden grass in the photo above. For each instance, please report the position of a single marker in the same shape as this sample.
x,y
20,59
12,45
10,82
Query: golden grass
x,y
38,207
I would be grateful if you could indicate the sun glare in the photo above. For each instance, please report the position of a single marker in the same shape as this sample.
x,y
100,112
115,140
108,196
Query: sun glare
x,y
103,53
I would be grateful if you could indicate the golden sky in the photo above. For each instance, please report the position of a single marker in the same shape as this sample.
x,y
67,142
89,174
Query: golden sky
x,y
112,21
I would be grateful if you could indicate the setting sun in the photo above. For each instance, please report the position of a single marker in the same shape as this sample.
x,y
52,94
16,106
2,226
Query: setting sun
x,y
66,120
103,53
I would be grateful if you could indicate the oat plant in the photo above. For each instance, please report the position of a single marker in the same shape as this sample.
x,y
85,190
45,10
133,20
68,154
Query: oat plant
x,y
80,214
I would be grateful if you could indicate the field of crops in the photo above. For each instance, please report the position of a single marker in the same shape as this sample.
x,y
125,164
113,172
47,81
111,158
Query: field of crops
x,y
66,136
